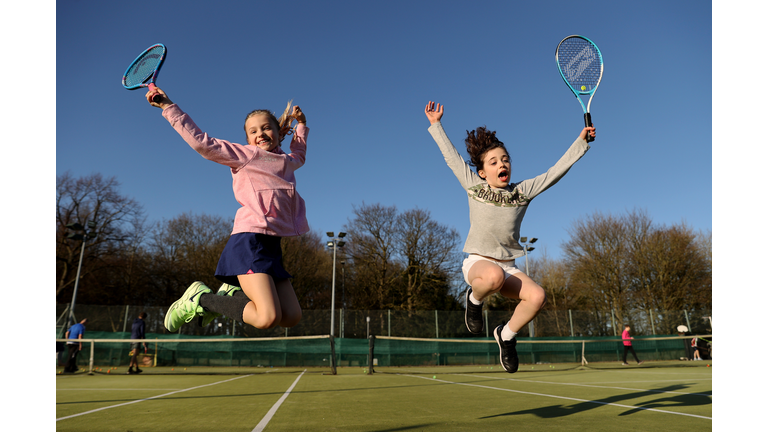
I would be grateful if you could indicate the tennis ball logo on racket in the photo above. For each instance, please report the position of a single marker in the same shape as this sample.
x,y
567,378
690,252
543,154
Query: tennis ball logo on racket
x,y
583,88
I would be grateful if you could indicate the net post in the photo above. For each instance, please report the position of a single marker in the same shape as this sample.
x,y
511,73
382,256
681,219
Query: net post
x,y
371,343
90,362
333,356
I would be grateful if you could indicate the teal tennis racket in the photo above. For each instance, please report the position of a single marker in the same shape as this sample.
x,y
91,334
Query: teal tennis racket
x,y
581,66
144,69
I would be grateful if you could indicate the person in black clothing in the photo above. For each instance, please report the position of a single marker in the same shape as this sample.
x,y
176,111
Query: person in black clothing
x,y
137,332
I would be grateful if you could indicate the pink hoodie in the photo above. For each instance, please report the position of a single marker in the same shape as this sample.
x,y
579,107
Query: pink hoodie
x,y
263,181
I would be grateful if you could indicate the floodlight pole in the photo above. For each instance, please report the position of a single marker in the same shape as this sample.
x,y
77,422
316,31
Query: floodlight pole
x,y
527,248
334,242
83,237
333,290
77,279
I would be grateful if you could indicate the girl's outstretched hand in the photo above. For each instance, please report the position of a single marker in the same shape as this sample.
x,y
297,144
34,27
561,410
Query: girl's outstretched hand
x,y
434,112
588,132
299,115
164,101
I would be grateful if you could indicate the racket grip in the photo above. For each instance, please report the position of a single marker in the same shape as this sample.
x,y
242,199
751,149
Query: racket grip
x,y
588,123
156,98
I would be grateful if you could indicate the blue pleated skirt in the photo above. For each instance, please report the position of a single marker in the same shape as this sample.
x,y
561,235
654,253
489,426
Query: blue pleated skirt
x,y
247,253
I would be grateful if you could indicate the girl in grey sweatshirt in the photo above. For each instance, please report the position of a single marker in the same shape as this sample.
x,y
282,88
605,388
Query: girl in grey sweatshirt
x,y
496,210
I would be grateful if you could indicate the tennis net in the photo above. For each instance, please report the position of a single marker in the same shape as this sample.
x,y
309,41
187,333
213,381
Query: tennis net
x,y
388,351
219,355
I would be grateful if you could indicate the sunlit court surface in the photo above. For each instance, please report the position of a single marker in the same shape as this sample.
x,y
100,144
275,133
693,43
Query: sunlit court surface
x,y
658,396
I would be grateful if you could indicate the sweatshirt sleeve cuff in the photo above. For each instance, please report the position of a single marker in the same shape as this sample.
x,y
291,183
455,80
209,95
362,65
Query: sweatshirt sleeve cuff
x,y
171,111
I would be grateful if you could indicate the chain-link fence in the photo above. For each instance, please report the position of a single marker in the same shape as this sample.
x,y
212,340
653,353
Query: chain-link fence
x,y
419,324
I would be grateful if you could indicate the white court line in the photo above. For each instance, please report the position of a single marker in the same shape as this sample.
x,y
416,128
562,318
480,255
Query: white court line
x,y
562,397
149,398
263,423
590,385
110,389
654,381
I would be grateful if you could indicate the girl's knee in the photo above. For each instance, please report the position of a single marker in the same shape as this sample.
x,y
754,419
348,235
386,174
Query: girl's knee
x,y
537,298
266,319
494,279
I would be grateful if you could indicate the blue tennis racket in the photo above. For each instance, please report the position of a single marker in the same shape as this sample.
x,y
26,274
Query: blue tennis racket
x,y
581,65
143,71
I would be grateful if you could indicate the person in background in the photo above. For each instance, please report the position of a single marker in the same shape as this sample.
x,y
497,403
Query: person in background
x,y
628,346
695,348
74,345
137,332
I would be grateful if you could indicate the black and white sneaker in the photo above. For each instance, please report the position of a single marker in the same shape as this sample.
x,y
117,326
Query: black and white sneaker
x,y
507,351
473,314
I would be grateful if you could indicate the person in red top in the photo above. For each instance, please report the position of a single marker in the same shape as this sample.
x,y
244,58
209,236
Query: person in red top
x,y
628,346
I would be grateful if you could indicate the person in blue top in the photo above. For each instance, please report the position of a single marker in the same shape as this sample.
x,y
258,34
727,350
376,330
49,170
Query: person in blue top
x,y
74,338
137,332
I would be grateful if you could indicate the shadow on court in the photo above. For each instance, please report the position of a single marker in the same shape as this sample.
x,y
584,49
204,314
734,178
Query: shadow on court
x,y
664,402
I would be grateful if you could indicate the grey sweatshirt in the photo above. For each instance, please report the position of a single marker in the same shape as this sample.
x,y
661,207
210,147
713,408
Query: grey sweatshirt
x,y
495,215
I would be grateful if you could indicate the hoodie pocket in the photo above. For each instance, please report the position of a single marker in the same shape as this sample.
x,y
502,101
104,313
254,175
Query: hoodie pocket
x,y
264,199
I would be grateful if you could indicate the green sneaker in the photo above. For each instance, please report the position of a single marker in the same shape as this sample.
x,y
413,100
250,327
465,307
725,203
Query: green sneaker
x,y
224,290
228,290
186,308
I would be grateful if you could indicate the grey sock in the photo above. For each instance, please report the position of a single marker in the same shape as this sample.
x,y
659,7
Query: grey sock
x,y
231,307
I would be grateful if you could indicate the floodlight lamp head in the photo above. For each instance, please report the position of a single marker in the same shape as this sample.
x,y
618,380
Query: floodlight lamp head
x,y
329,234
530,249
524,239
533,240
91,224
342,234
329,244
75,226
341,244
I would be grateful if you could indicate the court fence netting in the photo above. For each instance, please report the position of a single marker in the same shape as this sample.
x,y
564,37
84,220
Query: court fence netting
x,y
104,351
359,324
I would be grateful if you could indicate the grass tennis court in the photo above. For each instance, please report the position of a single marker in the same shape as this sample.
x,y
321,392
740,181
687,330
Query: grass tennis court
x,y
654,396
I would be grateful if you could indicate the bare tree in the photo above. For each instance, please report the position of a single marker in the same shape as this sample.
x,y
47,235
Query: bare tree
x,y
429,256
186,249
598,258
372,246
671,270
306,260
91,199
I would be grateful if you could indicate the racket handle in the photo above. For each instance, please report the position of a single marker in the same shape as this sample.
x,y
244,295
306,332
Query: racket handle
x,y
588,123
156,98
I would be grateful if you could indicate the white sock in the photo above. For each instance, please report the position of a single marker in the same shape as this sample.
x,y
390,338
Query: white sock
x,y
473,299
507,334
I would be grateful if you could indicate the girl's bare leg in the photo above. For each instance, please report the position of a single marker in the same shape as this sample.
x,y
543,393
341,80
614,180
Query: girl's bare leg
x,y
532,299
263,312
289,304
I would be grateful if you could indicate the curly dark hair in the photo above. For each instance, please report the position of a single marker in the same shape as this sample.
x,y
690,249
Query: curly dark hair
x,y
479,142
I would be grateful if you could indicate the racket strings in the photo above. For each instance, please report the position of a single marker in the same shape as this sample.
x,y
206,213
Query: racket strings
x,y
144,67
580,64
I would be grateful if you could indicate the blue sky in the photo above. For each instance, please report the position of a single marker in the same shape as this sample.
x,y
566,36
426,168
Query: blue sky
x,y
363,72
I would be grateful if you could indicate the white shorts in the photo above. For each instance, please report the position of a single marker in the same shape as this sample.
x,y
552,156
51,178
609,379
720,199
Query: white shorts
x,y
509,267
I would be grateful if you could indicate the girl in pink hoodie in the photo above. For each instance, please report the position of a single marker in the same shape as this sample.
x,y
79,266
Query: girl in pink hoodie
x,y
257,289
